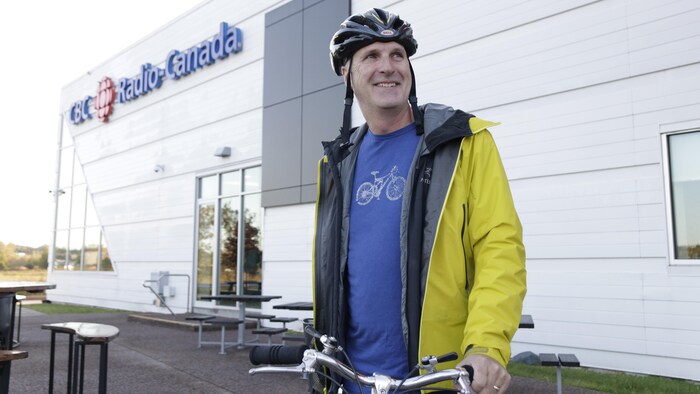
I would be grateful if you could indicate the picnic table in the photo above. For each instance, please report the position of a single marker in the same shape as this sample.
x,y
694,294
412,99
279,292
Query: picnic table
x,y
241,299
295,306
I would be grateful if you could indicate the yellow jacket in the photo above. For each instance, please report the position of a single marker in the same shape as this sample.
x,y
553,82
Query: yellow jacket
x,y
463,260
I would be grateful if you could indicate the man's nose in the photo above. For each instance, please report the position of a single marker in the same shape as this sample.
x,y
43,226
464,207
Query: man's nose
x,y
386,65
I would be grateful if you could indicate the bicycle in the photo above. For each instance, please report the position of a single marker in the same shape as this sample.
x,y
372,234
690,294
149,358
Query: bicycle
x,y
311,362
370,190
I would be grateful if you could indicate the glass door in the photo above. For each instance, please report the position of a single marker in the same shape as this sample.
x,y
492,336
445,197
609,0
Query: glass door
x,y
229,244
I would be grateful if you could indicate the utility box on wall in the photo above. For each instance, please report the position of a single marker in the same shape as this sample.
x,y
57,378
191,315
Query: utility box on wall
x,y
159,281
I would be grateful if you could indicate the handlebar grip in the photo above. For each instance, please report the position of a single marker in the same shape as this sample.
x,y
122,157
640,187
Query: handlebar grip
x,y
447,357
277,354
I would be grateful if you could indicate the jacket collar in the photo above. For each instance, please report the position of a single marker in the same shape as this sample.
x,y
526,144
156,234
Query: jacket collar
x,y
444,124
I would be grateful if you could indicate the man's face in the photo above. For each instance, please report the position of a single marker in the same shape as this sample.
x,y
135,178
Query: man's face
x,y
381,76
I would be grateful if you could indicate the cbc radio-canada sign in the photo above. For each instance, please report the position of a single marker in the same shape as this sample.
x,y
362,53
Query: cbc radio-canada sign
x,y
229,40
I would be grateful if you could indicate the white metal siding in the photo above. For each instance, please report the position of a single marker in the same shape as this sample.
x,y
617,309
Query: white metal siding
x,y
286,257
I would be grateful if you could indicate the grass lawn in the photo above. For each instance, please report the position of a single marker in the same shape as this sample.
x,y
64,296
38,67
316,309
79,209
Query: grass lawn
x,y
35,275
60,309
606,381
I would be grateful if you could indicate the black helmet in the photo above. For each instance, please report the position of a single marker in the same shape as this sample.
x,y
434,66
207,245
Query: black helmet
x,y
360,30
363,29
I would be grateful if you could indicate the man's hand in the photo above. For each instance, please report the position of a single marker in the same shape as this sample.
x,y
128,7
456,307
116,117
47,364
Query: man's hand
x,y
489,376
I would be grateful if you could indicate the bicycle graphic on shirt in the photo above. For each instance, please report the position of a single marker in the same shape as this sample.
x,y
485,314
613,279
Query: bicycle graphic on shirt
x,y
393,183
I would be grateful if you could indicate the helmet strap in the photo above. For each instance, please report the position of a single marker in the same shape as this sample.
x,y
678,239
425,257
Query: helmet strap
x,y
345,130
417,115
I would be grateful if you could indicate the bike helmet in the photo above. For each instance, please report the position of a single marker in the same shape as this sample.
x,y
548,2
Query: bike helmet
x,y
360,30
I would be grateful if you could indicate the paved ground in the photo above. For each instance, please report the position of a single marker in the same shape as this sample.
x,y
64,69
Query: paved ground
x,y
148,358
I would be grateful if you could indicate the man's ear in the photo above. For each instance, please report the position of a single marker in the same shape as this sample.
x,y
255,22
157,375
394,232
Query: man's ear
x,y
345,71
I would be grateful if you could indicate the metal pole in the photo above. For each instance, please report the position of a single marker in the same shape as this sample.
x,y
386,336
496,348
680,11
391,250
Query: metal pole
x,y
559,388
51,360
56,194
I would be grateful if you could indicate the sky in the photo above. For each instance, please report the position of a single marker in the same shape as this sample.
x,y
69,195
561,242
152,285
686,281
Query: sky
x,y
44,46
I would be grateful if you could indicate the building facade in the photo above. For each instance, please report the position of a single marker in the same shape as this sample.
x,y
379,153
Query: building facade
x,y
187,162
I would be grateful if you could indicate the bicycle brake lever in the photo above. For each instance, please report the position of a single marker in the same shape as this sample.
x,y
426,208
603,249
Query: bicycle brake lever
x,y
329,343
312,331
432,360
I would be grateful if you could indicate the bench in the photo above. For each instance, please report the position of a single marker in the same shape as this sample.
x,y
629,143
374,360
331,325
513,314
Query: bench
x,y
259,317
199,319
85,334
269,331
526,321
559,360
283,320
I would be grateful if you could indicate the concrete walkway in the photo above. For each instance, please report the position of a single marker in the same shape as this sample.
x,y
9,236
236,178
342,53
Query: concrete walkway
x,y
148,358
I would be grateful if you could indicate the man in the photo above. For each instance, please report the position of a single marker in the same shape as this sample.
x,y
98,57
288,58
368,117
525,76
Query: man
x,y
418,248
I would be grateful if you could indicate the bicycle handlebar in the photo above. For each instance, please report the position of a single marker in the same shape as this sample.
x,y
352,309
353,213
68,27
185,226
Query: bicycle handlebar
x,y
278,355
312,359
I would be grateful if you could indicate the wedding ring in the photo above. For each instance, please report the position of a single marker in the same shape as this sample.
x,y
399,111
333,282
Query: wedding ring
x,y
496,388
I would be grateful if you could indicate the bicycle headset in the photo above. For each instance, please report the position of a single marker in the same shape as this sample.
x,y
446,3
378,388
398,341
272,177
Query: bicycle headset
x,y
361,30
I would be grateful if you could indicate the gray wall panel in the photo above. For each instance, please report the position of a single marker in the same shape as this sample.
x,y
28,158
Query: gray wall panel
x,y
308,193
288,196
320,22
302,102
281,145
309,3
283,60
321,120
282,12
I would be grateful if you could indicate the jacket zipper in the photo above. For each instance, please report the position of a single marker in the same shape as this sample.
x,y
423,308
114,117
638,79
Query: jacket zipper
x,y
464,249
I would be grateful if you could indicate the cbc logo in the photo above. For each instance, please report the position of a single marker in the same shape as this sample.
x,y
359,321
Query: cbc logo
x,y
104,99
103,103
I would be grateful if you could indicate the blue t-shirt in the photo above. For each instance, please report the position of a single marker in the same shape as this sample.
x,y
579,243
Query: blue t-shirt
x,y
374,337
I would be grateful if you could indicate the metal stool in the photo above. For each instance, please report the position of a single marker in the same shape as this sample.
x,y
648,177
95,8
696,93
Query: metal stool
x,y
87,334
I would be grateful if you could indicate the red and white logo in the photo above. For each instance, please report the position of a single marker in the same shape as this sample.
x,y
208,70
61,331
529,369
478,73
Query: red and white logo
x,y
104,99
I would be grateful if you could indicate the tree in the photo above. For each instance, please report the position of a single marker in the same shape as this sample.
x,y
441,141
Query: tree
x,y
694,252
39,257
3,256
253,254
44,261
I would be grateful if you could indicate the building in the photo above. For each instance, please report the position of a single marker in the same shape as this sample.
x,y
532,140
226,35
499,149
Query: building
x,y
205,168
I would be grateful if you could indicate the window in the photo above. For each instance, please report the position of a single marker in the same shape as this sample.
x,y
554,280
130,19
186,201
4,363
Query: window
x,y
229,244
683,191
79,243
